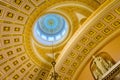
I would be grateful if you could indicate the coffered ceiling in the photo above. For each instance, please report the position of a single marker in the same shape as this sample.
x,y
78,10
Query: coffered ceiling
x,y
92,24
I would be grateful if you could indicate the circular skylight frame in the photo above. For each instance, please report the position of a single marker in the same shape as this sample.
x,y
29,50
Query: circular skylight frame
x,y
55,37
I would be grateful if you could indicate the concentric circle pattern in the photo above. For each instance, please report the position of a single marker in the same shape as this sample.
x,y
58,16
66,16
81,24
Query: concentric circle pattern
x,y
50,28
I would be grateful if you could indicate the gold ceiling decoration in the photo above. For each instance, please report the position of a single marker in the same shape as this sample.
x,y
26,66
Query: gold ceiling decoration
x,y
73,11
100,28
18,49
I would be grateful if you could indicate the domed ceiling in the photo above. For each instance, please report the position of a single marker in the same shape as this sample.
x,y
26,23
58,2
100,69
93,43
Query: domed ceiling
x,y
33,31
50,28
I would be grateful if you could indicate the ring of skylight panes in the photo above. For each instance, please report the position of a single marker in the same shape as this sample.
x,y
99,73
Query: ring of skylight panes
x,y
50,29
